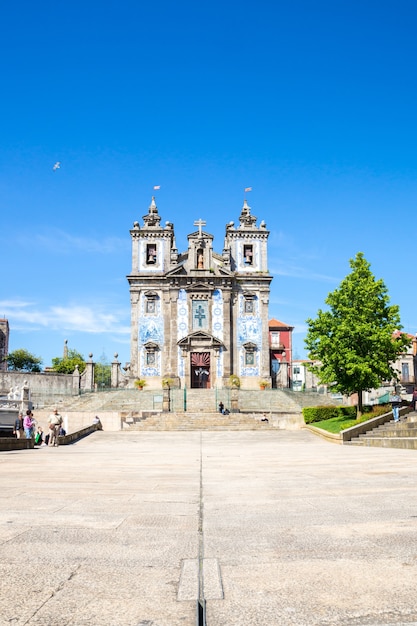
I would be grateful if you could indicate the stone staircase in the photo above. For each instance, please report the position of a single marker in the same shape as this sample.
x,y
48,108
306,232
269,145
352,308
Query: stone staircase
x,y
392,434
194,421
196,400
190,409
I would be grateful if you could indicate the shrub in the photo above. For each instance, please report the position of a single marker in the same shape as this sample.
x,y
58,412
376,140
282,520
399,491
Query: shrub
x,y
319,413
380,409
234,381
347,411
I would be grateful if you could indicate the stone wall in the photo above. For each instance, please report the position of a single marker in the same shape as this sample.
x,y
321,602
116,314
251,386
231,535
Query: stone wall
x,y
78,420
40,384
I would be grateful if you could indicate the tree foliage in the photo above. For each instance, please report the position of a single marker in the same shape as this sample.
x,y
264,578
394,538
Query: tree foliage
x,y
354,340
102,373
23,361
66,365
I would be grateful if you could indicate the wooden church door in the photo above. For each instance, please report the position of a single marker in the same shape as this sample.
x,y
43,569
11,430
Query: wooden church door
x,y
200,370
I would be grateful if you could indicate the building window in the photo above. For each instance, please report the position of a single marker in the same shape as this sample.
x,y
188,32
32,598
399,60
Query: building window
x,y
275,337
150,305
150,357
296,370
248,254
249,305
405,372
150,253
249,358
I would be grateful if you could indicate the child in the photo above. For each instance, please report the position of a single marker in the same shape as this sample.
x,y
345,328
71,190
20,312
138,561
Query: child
x,y
39,437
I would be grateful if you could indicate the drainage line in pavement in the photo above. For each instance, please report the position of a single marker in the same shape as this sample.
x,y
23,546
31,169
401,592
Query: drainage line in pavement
x,y
201,603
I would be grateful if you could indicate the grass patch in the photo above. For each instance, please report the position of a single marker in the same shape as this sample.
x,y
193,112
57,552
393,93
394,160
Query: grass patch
x,y
336,424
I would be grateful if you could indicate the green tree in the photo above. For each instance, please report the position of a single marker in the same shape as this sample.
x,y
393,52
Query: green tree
x,y
354,340
67,364
102,373
23,361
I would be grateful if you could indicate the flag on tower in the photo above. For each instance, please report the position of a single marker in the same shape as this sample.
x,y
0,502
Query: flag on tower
x,y
248,189
157,186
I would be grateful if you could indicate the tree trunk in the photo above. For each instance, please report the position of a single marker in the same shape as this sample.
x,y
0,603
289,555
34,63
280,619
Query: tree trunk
x,y
360,405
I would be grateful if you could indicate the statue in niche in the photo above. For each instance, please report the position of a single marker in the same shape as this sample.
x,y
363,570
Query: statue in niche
x,y
200,260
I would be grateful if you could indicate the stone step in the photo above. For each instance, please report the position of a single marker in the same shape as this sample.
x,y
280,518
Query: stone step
x,y
392,434
409,443
197,400
195,421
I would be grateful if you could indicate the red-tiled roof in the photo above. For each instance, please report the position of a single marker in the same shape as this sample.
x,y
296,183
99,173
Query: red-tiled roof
x,y
277,324
397,333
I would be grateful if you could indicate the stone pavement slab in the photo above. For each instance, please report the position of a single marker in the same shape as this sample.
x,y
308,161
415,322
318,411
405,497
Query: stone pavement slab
x,y
294,531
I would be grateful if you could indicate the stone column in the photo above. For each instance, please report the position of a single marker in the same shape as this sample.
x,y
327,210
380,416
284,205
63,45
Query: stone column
x,y
227,335
76,377
89,374
115,372
284,373
134,329
170,351
234,401
265,356
166,400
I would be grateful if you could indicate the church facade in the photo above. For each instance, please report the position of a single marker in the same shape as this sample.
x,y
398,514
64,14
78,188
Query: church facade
x,y
199,316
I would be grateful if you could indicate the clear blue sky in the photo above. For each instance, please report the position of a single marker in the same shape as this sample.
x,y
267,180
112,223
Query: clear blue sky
x,y
312,104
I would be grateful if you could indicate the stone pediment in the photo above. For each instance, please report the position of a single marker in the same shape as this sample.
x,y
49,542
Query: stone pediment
x,y
203,236
224,271
178,269
150,345
200,339
200,286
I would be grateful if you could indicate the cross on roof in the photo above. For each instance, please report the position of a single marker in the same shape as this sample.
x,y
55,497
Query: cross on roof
x,y
199,223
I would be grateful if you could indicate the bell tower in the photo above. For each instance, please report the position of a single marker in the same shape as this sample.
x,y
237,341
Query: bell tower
x,y
248,247
153,255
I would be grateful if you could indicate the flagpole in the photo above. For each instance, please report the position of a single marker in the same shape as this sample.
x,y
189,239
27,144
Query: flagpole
x,y
247,189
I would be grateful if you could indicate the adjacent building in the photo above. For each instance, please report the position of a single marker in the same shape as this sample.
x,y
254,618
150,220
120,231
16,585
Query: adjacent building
x,y
280,345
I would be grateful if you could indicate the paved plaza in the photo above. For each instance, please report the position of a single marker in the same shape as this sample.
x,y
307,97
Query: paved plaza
x,y
289,529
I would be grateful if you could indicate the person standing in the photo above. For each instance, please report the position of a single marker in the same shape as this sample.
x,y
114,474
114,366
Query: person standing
x,y
54,421
396,403
18,426
28,424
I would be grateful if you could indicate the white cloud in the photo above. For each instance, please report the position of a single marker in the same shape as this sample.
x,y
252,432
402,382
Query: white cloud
x,y
300,329
284,268
82,318
69,243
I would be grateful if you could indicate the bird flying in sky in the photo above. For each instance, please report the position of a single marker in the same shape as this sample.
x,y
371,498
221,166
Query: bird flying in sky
x,y
56,166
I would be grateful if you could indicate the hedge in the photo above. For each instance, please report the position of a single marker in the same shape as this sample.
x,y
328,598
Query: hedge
x,y
320,413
